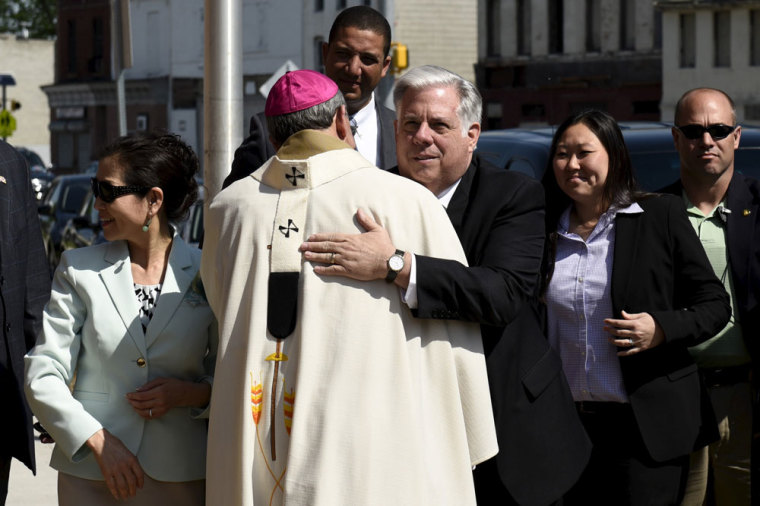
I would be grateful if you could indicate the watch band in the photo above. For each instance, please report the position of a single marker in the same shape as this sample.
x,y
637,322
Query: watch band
x,y
392,273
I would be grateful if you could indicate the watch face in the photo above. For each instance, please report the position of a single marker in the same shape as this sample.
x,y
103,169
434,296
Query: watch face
x,y
396,262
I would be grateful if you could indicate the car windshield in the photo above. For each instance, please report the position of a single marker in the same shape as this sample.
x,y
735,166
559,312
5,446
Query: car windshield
x,y
653,155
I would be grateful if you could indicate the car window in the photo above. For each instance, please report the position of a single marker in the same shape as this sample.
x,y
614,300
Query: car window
x,y
525,166
55,191
655,170
34,159
72,198
196,226
747,162
93,215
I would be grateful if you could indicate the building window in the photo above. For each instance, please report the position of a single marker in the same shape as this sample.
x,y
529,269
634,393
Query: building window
x,y
368,3
141,125
555,26
71,46
319,5
318,63
648,107
577,107
523,27
593,26
754,37
658,29
627,25
687,43
96,62
340,4
493,27
722,37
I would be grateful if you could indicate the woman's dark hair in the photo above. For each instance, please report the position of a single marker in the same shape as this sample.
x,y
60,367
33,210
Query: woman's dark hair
x,y
159,159
620,189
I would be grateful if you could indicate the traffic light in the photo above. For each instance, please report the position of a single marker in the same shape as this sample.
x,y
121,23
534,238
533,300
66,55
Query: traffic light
x,y
15,105
399,57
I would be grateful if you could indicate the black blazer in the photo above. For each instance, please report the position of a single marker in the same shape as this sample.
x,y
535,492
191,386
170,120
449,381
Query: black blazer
x,y
24,290
659,267
256,148
743,242
499,217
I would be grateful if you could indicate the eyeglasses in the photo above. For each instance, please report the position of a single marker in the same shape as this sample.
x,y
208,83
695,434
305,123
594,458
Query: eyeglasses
x,y
108,192
717,131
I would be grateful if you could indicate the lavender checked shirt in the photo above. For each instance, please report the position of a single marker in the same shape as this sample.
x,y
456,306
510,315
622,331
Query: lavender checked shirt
x,y
578,300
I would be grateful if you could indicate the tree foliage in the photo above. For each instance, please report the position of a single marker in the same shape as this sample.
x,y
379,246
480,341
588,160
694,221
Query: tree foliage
x,y
37,16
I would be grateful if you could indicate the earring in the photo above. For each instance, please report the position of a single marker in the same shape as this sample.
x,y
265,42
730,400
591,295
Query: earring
x,y
147,224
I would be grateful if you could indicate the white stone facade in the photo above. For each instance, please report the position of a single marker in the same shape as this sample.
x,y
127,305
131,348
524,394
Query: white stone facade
x,y
740,79
30,61
581,21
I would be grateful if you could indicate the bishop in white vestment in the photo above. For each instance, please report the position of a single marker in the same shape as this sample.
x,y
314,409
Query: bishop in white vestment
x,y
329,391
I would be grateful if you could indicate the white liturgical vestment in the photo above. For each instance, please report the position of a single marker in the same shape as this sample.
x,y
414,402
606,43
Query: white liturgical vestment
x,y
362,404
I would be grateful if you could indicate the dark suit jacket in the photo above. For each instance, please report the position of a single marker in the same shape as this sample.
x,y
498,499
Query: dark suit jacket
x,y
659,267
743,243
24,290
499,218
256,148
387,147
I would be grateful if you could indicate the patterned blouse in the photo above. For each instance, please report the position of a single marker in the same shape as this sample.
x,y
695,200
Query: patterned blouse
x,y
147,297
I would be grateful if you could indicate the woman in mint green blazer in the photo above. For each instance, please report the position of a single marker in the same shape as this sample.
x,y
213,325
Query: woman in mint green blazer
x,y
121,376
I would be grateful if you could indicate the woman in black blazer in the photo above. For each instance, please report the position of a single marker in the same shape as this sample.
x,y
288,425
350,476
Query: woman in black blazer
x,y
628,288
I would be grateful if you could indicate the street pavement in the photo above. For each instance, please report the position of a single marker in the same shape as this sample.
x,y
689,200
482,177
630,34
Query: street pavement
x,y
26,489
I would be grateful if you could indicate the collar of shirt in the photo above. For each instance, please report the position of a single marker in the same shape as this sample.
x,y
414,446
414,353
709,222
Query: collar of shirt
x,y
445,196
366,136
605,220
694,210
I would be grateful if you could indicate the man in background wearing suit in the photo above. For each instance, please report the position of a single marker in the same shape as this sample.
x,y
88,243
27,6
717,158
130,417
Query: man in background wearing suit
x,y
724,208
24,290
499,218
356,57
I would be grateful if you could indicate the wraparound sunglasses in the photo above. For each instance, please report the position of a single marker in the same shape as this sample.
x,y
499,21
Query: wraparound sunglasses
x,y
717,131
108,192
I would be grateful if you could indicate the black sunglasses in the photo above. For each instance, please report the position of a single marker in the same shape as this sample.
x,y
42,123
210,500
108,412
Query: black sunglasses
x,y
717,131
108,192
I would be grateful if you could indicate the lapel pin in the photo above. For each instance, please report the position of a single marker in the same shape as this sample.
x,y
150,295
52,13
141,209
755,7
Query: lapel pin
x,y
2,180
746,212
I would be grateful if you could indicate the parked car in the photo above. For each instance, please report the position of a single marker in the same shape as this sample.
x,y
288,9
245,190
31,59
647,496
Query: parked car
x,y
84,229
63,202
32,159
653,154
41,180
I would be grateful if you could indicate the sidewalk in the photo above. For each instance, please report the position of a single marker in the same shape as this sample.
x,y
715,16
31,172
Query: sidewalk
x,y
26,489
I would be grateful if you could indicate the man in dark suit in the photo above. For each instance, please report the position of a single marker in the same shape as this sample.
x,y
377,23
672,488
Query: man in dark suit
x,y
724,208
499,217
24,290
356,57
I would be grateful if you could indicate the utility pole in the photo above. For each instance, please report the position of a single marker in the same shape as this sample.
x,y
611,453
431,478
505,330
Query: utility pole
x,y
6,80
222,90
121,55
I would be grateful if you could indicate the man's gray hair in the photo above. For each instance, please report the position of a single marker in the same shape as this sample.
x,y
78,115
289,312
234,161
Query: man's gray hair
x,y
317,117
428,76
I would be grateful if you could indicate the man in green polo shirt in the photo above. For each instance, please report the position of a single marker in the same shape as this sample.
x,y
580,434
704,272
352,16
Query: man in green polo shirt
x,y
724,208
